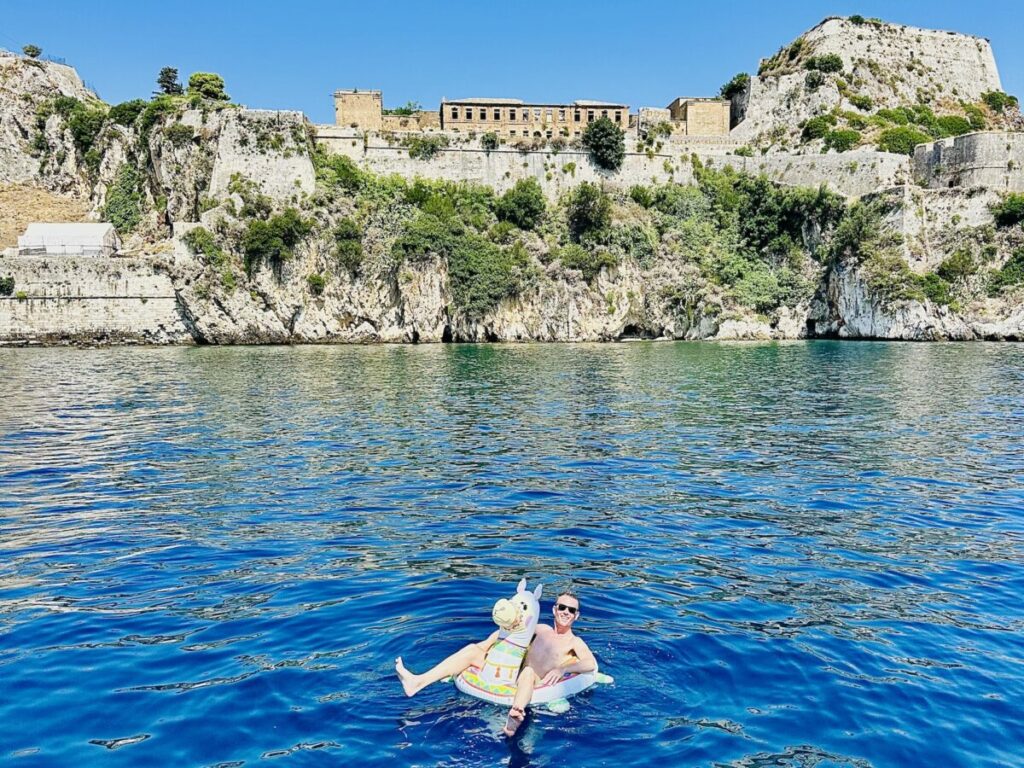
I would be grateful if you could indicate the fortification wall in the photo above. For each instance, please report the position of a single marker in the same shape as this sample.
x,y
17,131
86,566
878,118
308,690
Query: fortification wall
x,y
993,160
851,174
81,299
266,146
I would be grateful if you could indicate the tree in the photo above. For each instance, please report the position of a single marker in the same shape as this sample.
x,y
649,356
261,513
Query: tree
x,y
604,140
735,87
32,51
523,205
589,210
207,85
168,81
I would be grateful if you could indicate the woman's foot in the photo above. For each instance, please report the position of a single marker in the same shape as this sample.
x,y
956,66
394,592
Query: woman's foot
x,y
410,682
516,715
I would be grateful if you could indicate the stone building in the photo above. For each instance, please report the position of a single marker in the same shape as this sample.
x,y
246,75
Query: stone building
x,y
689,116
364,110
513,118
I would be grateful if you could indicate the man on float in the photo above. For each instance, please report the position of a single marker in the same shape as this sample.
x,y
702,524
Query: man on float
x,y
554,652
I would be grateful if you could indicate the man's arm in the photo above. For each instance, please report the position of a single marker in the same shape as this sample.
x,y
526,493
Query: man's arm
x,y
585,661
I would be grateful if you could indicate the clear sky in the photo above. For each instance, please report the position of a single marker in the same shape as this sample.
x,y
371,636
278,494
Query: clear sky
x,y
293,55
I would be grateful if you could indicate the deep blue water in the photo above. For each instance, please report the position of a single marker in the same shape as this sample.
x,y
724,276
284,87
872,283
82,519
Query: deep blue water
x,y
805,554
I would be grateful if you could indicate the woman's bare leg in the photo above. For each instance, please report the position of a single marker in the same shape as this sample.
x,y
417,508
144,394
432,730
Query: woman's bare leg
x,y
471,655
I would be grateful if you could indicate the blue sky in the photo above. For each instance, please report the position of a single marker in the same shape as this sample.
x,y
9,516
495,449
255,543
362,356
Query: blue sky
x,y
283,55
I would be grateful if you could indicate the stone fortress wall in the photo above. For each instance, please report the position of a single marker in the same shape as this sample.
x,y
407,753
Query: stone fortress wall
x,y
986,159
81,298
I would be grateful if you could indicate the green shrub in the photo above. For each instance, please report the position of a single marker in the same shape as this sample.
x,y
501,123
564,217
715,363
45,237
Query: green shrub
x,y
744,151
953,125
735,87
202,243
641,195
958,266
6,286
273,240
901,140
1010,210
336,171
153,113
482,274
1011,274
207,85
897,116
21,296
179,134
842,140
975,117
936,289
857,19
32,51
348,245
424,147
998,101
588,262
316,283
829,62
489,141
123,206
427,235
589,210
817,127
814,80
862,102
604,140
127,112
410,108
523,205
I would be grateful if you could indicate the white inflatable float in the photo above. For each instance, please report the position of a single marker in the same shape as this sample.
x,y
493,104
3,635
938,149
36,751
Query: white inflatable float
x,y
496,681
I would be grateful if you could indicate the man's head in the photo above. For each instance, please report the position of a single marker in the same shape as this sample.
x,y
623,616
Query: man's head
x,y
566,609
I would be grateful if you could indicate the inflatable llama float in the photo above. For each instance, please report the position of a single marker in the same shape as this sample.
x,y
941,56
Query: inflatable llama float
x,y
496,681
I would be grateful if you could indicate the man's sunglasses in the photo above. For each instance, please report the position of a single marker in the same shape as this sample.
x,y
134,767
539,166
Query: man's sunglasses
x,y
569,608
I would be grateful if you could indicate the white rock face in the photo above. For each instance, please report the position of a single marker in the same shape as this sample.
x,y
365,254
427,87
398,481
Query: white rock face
x,y
893,64
25,84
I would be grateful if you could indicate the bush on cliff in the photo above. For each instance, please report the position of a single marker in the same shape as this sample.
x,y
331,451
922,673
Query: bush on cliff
x,y
735,87
482,274
6,286
604,141
998,101
523,205
589,261
127,112
901,140
829,62
32,51
1011,274
589,210
348,245
167,82
336,171
202,243
424,147
1009,210
123,207
842,140
274,240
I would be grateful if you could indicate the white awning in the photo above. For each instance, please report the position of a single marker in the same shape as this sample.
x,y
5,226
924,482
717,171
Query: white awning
x,y
47,239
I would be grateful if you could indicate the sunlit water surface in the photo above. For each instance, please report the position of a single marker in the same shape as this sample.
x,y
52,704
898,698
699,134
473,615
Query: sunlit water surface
x,y
804,554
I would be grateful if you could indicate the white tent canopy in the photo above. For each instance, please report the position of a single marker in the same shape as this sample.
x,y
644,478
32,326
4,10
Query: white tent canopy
x,y
69,240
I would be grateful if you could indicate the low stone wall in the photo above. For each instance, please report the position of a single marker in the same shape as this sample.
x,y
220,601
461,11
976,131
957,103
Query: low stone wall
x,y
81,299
851,174
987,159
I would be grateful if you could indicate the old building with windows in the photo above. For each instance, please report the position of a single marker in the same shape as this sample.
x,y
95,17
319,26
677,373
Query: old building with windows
x,y
512,118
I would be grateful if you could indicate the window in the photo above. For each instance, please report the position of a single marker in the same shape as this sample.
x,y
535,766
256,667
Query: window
x,y
497,114
512,115
511,133
590,115
604,113
618,116
455,113
548,114
561,115
576,115
575,133
469,113
483,113
548,133
536,113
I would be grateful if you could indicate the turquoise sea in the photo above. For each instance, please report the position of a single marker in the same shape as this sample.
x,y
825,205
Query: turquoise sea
x,y
788,554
